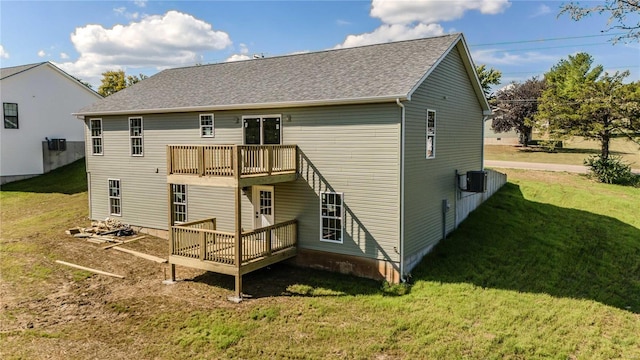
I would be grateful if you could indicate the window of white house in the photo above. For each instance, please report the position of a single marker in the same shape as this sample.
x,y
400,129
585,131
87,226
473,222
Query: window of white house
x,y
431,134
115,200
96,136
206,125
179,203
10,115
331,216
135,133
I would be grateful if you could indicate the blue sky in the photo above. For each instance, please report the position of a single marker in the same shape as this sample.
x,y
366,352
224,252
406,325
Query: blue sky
x,y
85,38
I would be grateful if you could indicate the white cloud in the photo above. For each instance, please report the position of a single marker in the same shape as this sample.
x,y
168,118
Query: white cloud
x,y
64,56
159,41
431,11
396,32
412,19
3,53
244,50
140,3
342,22
498,57
542,10
237,57
122,11
41,53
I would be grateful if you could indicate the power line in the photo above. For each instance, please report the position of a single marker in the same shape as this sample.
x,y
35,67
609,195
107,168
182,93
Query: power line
x,y
550,39
555,47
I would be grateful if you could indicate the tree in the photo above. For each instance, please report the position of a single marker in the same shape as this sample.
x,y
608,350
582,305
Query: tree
x,y
488,77
516,106
114,81
581,100
622,14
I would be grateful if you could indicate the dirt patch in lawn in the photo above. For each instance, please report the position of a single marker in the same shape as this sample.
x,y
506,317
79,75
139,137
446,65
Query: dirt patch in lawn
x,y
50,310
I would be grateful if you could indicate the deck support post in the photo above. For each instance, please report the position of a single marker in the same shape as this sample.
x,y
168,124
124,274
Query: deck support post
x,y
170,219
237,169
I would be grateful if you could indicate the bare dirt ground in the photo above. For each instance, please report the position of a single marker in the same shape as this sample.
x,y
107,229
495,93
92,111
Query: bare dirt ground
x,y
51,311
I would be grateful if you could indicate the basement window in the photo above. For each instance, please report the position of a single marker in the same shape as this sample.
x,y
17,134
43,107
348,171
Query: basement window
x,y
96,136
431,134
331,217
135,134
179,203
10,115
115,199
206,125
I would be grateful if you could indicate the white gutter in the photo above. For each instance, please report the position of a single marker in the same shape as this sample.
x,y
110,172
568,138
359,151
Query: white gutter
x,y
402,136
271,105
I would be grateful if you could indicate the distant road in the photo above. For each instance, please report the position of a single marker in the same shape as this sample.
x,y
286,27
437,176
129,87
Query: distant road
x,y
540,166
536,166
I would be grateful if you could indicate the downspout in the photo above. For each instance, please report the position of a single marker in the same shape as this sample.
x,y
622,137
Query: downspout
x,y
484,120
402,136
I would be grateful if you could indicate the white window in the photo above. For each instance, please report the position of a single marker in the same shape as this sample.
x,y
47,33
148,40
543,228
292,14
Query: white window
x,y
179,203
96,136
10,115
431,134
331,216
115,200
206,125
135,134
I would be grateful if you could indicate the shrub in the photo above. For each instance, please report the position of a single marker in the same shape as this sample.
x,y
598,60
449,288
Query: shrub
x,y
611,170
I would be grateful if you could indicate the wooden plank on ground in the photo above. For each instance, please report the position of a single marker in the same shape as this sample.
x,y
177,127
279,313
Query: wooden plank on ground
x,y
142,255
105,238
124,242
89,269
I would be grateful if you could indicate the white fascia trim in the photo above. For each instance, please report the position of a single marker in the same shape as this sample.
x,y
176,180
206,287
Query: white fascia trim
x,y
468,63
76,81
471,68
434,66
273,105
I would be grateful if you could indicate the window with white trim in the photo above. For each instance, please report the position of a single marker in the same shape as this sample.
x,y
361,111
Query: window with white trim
x,y
135,134
10,112
115,199
206,125
179,205
431,134
331,216
96,136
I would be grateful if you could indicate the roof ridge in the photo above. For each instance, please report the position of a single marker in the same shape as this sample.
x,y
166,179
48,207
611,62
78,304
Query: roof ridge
x,y
317,52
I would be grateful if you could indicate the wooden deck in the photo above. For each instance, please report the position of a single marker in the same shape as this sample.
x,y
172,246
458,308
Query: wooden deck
x,y
199,245
231,165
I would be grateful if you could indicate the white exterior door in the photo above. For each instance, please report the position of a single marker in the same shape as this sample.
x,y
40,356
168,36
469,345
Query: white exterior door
x,y
263,206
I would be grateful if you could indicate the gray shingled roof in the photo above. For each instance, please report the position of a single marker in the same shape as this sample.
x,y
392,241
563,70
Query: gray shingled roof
x,y
10,71
361,73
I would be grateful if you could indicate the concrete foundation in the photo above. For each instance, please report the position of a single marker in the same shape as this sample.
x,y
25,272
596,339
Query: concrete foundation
x,y
348,264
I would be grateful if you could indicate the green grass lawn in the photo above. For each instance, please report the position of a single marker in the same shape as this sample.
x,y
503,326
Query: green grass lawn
x,y
573,153
549,267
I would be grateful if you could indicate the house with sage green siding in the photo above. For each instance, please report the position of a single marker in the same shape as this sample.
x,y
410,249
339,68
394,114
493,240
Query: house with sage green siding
x,y
345,160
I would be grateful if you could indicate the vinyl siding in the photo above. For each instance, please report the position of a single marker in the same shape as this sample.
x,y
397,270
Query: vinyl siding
x,y
144,178
348,149
352,150
458,147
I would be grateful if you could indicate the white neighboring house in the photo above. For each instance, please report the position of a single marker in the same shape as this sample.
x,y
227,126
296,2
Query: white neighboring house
x,y
39,133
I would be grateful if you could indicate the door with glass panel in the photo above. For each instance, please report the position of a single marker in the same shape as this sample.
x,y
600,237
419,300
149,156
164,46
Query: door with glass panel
x,y
262,130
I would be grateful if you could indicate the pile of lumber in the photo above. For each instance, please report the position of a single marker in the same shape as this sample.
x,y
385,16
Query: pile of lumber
x,y
102,231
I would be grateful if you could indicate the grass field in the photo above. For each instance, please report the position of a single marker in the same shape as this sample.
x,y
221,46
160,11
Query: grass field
x,y
573,153
549,267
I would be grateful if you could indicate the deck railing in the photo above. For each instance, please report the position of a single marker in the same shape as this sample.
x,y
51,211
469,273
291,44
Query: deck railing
x,y
196,240
264,241
219,160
